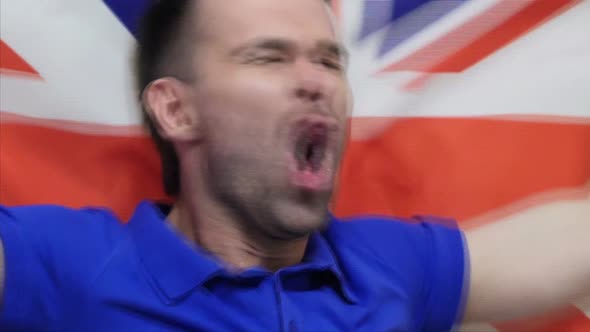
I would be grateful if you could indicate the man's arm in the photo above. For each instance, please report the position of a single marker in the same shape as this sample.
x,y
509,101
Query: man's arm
x,y
530,262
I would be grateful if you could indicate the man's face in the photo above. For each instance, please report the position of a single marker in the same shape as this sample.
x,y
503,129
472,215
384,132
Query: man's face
x,y
272,99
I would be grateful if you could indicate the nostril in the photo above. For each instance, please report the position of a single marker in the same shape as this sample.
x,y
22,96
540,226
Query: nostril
x,y
315,96
308,94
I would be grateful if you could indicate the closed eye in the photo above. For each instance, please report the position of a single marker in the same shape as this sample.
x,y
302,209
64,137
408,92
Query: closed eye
x,y
261,60
331,64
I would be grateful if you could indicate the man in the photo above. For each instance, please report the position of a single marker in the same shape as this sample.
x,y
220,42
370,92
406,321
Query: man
x,y
248,104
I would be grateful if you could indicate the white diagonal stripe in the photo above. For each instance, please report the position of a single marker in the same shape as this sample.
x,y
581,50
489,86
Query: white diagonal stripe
x,y
83,54
542,73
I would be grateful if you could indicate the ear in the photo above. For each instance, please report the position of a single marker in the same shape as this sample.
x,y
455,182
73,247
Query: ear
x,y
170,106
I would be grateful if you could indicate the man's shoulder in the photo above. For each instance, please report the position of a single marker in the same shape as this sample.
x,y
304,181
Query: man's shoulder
x,y
72,239
384,235
62,221
376,226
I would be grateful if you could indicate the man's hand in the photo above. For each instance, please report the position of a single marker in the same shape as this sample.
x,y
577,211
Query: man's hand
x,y
531,262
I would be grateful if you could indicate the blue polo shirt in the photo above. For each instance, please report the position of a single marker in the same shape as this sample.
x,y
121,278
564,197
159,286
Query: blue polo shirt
x,y
84,270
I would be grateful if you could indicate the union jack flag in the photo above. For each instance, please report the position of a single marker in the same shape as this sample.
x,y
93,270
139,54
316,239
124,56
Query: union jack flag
x,y
462,109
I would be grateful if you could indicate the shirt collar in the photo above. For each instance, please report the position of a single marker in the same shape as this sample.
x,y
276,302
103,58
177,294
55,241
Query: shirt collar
x,y
319,256
178,266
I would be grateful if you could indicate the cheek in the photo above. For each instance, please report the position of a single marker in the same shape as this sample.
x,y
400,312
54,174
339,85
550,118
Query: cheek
x,y
345,100
240,111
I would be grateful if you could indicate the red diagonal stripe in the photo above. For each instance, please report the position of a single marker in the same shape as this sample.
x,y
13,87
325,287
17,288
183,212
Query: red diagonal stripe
x,y
12,63
428,59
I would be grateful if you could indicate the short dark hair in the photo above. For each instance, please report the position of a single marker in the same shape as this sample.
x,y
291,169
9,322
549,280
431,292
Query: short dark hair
x,y
161,51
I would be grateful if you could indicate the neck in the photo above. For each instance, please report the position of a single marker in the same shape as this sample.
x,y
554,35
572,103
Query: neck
x,y
215,230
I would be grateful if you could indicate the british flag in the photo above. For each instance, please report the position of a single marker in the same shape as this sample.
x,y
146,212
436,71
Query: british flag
x,y
462,108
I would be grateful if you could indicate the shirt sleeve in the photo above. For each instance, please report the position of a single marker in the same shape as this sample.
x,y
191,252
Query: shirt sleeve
x,y
424,258
447,274
30,300
48,259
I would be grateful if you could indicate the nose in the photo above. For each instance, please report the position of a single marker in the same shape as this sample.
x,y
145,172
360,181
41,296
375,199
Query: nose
x,y
312,84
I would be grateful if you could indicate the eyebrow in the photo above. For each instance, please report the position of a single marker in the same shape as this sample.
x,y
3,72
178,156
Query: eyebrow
x,y
277,44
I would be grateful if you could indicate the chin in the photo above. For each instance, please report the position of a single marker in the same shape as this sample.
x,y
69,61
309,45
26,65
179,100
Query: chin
x,y
296,221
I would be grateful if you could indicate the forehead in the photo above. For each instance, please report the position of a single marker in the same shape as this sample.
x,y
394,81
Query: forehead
x,y
237,21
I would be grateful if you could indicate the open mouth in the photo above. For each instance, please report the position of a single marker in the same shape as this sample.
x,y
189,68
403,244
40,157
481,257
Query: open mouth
x,y
312,154
310,149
